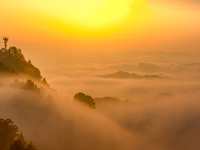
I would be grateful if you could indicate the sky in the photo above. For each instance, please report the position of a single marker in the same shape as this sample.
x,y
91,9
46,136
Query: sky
x,y
76,43
78,26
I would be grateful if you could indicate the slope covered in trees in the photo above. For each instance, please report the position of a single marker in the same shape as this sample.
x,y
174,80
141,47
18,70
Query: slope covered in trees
x,y
7,70
13,62
10,139
16,62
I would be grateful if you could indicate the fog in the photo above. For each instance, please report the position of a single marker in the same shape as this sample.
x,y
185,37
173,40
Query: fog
x,y
159,114
144,79
71,127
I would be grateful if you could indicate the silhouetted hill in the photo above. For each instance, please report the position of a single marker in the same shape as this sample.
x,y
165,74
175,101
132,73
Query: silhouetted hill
x,y
107,99
13,62
126,75
14,58
164,95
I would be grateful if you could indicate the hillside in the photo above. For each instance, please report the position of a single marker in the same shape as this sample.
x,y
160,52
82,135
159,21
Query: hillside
x,y
12,61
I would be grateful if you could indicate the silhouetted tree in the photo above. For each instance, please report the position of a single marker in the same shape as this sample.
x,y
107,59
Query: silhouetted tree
x,y
20,144
44,81
21,138
6,69
17,145
30,85
8,133
5,42
30,147
85,99
2,51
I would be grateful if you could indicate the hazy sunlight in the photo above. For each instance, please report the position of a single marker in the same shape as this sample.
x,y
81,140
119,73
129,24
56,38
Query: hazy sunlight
x,y
90,14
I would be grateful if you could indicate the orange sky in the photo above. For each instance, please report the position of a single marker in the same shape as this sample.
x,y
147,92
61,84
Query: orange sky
x,y
43,26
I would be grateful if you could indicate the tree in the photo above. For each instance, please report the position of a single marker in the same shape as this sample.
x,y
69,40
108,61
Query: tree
x,y
29,63
85,99
44,81
30,85
20,144
5,41
8,133
30,147
21,138
17,145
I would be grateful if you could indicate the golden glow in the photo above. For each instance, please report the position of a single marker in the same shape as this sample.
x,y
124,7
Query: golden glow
x,y
91,25
83,12
79,22
88,14
77,18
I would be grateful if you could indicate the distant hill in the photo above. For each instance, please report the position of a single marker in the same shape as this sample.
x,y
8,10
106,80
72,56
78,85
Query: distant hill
x,y
127,75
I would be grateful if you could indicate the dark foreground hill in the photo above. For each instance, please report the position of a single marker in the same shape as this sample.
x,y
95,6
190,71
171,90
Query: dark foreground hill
x,y
13,62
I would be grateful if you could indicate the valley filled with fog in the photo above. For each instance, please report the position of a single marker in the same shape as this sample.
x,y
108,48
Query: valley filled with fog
x,y
139,101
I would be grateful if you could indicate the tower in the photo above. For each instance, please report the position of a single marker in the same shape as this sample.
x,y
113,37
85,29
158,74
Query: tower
x,y
5,42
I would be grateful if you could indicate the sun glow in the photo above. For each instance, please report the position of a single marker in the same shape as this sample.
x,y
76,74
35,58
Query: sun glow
x,y
91,20
86,14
